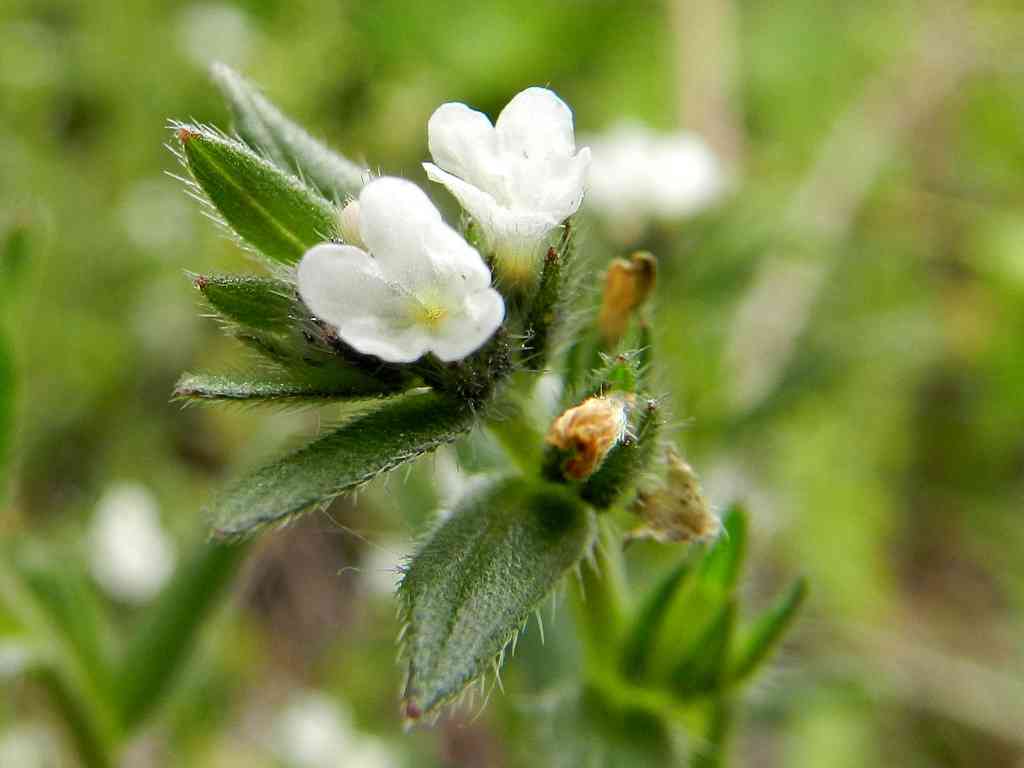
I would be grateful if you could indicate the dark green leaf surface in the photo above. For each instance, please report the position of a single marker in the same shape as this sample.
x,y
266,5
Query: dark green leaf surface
x,y
263,127
756,642
208,387
268,208
261,303
351,455
477,579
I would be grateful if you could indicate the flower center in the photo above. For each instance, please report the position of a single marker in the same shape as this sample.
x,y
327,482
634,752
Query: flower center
x,y
430,314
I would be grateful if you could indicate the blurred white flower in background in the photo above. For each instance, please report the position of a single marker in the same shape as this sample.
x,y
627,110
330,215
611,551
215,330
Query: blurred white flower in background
x,y
518,178
155,216
316,731
418,287
130,555
209,32
29,745
638,176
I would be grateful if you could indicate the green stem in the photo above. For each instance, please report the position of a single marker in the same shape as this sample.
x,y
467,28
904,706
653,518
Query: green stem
x,y
163,644
600,605
86,708
713,753
513,428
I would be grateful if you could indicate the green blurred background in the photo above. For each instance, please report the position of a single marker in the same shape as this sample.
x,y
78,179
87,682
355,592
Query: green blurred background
x,y
841,341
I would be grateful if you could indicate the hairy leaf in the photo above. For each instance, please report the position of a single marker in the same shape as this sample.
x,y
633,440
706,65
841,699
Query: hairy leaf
x,y
351,455
255,389
268,208
261,303
264,128
478,577
756,641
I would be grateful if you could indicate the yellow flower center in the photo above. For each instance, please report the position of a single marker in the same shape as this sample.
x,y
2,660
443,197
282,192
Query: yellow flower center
x,y
430,315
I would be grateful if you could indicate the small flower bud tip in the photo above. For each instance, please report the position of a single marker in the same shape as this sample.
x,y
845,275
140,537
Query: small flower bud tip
x,y
411,711
348,225
589,430
627,285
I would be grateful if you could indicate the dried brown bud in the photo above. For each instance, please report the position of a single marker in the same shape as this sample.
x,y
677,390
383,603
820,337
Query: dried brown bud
x,y
678,511
627,284
589,431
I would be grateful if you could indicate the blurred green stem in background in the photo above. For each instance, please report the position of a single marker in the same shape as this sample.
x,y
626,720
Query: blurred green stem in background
x,y
102,706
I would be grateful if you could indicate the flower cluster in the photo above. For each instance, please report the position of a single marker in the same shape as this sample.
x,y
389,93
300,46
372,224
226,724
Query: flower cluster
x,y
404,283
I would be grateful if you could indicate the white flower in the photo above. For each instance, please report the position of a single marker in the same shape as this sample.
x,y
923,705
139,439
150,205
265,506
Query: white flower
x,y
519,178
638,175
420,287
131,557
316,731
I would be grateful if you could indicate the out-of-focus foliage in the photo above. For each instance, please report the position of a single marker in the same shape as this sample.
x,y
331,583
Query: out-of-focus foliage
x,y
884,460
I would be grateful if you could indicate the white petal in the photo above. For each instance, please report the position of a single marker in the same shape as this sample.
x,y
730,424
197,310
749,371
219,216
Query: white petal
x,y
462,334
456,263
500,225
345,287
463,142
393,214
535,124
563,194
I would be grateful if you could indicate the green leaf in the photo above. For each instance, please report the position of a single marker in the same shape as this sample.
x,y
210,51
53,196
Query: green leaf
x,y
264,128
72,608
640,643
360,450
261,303
722,565
713,584
208,387
268,208
703,666
164,642
756,641
481,573
77,686
626,461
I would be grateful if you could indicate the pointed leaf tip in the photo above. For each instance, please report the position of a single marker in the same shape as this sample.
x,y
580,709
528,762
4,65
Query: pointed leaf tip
x,y
270,209
763,634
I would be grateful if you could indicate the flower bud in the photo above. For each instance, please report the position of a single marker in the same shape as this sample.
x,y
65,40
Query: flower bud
x,y
348,225
627,285
588,432
678,511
